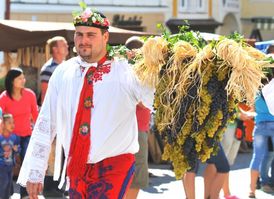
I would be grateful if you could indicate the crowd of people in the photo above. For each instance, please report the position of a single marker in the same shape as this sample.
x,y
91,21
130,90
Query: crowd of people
x,y
81,139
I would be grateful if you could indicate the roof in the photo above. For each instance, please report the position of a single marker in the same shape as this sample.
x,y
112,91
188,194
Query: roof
x,y
16,34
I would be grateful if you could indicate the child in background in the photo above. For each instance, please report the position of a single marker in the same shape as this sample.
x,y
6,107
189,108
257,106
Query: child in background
x,y
9,145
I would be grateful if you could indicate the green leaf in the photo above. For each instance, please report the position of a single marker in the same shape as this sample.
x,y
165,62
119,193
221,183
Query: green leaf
x,y
75,13
83,5
270,60
236,37
165,32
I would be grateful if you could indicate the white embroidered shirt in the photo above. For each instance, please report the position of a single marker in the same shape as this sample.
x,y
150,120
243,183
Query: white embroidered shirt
x,y
113,118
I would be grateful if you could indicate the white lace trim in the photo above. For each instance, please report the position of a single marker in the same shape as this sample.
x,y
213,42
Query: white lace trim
x,y
40,151
43,126
36,176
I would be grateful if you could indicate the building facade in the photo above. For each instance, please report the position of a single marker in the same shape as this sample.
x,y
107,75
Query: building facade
x,y
215,16
257,19
140,15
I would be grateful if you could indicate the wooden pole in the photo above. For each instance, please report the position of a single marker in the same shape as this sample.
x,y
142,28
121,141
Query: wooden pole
x,y
175,8
7,12
210,8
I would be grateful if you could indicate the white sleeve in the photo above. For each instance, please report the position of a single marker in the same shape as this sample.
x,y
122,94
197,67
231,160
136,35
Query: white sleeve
x,y
36,159
268,93
142,93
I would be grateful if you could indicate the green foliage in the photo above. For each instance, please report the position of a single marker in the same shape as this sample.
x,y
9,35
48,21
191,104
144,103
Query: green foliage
x,y
193,37
83,5
110,50
165,32
120,51
267,70
236,37
270,60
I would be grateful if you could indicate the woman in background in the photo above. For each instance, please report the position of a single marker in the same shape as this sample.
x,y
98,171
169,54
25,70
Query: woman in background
x,y
21,103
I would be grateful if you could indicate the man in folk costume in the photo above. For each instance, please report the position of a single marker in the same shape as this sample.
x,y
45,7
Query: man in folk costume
x,y
91,106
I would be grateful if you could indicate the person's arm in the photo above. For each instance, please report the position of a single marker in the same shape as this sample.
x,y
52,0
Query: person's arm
x,y
143,95
44,87
34,108
35,163
17,147
247,115
2,109
142,105
2,103
268,94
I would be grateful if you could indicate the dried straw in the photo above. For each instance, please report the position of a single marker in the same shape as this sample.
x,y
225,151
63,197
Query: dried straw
x,y
245,79
154,53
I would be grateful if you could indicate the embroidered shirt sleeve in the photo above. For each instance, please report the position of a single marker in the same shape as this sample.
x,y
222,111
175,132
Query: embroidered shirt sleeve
x,y
36,160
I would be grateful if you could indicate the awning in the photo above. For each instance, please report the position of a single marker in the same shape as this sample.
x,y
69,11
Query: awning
x,y
16,34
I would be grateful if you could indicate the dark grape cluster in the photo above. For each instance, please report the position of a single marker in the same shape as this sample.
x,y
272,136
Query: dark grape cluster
x,y
188,149
213,88
171,131
169,135
186,102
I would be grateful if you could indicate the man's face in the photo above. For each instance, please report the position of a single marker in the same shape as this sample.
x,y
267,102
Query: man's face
x,y
90,43
62,48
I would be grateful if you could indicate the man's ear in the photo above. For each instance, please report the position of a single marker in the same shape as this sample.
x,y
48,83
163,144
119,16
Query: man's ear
x,y
106,36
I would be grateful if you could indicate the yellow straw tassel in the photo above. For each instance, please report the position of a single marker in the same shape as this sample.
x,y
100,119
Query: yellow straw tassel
x,y
245,79
154,54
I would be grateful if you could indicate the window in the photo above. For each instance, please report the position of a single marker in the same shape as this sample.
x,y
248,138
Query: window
x,y
192,5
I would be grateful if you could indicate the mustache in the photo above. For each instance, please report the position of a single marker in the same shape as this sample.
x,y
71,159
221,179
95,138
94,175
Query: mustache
x,y
84,45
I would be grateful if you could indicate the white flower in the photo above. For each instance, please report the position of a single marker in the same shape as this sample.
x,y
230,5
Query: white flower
x,y
93,19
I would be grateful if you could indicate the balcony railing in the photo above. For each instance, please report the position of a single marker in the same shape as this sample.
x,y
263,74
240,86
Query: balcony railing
x,y
97,2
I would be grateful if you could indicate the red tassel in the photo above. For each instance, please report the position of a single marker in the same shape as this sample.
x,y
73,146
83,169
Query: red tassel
x,y
78,160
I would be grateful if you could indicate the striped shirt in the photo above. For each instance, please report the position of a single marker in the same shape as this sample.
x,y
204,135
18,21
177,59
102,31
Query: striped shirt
x,y
47,70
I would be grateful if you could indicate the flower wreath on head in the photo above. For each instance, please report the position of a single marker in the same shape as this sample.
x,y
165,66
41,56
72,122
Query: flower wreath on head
x,y
87,17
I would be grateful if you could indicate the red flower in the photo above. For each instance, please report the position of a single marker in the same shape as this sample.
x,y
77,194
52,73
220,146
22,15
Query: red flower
x,y
96,75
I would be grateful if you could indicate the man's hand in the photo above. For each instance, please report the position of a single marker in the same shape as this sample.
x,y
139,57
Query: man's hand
x,y
34,189
246,115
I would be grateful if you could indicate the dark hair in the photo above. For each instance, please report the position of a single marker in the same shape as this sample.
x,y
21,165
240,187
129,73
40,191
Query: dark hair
x,y
134,42
270,49
11,75
103,31
7,116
